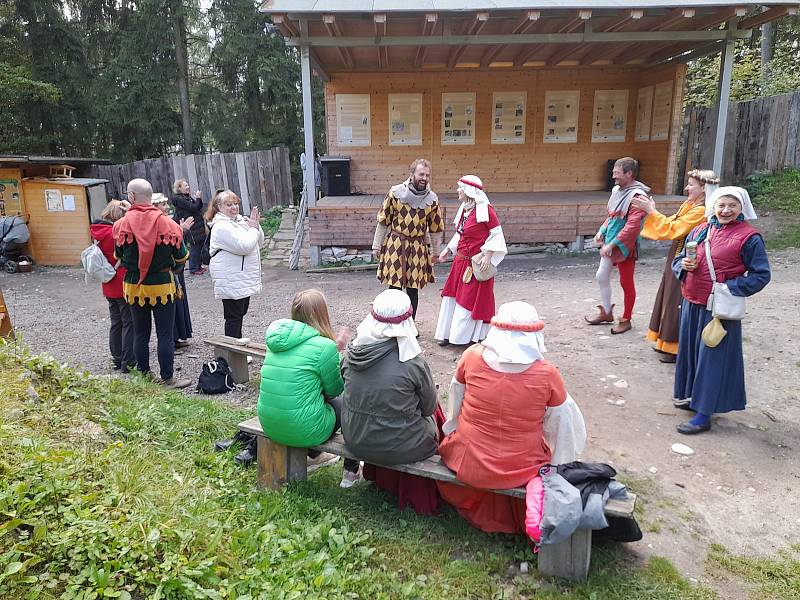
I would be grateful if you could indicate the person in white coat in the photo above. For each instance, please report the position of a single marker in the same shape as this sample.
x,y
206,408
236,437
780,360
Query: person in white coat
x,y
235,265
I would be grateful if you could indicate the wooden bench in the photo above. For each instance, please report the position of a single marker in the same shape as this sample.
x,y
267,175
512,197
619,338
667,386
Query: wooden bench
x,y
278,465
236,354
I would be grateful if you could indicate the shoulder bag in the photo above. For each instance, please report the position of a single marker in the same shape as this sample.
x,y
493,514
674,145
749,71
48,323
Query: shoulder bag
x,y
721,303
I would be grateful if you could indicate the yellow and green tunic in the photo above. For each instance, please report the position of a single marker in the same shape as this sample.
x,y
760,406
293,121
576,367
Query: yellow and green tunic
x,y
405,259
158,285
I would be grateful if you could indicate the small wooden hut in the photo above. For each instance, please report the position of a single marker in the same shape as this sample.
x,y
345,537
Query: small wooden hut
x,y
533,97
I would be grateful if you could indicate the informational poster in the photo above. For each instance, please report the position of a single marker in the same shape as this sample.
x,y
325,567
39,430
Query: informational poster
x,y
9,198
53,200
405,119
458,118
561,116
508,117
662,111
353,119
644,113
610,115
69,202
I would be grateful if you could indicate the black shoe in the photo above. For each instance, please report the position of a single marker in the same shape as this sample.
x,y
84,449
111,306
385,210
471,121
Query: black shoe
x,y
245,457
689,429
443,342
240,438
668,358
683,405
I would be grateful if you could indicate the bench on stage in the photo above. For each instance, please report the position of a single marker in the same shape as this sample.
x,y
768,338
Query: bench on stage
x,y
278,465
236,353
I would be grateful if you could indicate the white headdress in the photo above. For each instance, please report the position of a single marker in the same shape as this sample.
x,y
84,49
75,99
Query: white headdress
x,y
390,317
472,186
516,334
739,193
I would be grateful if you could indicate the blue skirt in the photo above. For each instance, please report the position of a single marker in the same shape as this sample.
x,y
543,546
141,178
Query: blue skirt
x,y
183,321
712,377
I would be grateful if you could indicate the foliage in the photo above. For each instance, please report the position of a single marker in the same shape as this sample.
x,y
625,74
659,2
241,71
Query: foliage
x,y
110,489
271,220
779,191
774,578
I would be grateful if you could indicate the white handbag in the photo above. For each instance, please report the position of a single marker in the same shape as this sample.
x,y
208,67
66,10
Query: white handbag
x,y
721,303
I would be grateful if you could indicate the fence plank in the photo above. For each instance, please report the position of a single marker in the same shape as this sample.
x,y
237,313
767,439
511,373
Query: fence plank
x,y
244,194
251,174
265,183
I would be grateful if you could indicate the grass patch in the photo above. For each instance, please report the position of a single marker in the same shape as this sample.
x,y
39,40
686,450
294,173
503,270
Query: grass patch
x,y
779,192
271,220
774,578
110,488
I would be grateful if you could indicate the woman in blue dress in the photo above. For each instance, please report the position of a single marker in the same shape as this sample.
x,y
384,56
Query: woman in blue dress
x,y
711,380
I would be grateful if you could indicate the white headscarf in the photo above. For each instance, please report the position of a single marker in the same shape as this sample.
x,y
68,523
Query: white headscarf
x,y
472,186
390,317
516,334
731,190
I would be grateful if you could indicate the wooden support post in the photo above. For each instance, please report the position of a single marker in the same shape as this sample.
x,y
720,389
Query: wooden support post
x,y
723,98
6,328
569,559
238,364
308,134
577,245
279,465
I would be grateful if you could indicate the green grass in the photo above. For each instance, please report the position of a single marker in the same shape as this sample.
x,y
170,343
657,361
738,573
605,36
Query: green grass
x,y
271,220
778,192
775,578
110,489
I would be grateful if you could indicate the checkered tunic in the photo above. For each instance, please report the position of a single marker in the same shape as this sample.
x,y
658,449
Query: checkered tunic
x,y
405,259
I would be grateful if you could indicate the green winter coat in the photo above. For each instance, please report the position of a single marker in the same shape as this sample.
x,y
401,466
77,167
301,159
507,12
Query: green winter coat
x,y
300,369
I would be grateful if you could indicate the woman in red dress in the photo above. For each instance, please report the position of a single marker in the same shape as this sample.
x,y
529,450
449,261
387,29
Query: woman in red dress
x,y
468,304
509,415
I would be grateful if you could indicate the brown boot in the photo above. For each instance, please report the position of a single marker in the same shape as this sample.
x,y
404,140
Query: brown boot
x,y
621,327
602,316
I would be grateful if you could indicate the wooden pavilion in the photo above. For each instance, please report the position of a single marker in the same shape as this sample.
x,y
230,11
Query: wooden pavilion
x,y
534,97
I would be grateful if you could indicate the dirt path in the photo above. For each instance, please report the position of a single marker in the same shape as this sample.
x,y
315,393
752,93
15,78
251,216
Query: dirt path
x,y
740,487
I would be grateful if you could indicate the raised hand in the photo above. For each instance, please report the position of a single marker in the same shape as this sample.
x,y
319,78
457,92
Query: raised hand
x,y
186,224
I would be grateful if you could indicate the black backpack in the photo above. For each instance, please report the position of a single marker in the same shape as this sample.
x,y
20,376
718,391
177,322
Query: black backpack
x,y
215,378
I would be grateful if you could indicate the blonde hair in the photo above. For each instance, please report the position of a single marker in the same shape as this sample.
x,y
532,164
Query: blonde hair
x,y
704,176
216,200
311,308
113,211
177,184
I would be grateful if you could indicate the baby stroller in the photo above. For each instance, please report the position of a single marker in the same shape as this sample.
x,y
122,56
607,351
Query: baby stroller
x,y
13,235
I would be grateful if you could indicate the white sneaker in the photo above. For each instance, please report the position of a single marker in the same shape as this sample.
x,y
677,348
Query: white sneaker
x,y
350,479
323,460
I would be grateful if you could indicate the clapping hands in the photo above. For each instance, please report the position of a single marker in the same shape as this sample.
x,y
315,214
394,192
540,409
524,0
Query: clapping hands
x,y
255,217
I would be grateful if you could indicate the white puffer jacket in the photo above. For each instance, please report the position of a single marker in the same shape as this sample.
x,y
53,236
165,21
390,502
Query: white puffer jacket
x,y
235,257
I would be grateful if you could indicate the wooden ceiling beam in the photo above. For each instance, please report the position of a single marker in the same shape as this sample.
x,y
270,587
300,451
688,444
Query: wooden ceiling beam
x,y
768,15
523,26
573,24
380,31
473,28
428,25
334,31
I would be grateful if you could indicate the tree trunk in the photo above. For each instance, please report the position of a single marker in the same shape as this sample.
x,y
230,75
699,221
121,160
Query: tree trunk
x,y
768,31
183,81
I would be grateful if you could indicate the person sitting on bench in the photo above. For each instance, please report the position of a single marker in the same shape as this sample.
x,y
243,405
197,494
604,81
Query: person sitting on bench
x,y
390,412
509,415
298,403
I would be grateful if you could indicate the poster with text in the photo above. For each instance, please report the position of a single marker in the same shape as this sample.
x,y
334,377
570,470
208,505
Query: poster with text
x,y
508,117
10,203
561,116
458,118
644,113
405,119
662,111
353,119
53,201
610,115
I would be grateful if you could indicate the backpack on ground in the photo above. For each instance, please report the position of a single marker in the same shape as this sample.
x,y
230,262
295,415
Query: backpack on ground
x,y
215,378
96,266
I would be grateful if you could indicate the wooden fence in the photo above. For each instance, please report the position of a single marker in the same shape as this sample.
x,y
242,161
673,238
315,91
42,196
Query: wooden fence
x,y
761,135
261,178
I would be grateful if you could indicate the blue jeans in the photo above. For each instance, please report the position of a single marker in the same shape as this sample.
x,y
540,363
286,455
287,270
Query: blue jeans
x,y
196,255
164,316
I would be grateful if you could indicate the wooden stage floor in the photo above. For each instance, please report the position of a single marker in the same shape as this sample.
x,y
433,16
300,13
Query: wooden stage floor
x,y
526,217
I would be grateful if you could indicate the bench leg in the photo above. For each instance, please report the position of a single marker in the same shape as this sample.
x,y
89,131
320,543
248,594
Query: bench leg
x,y
278,465
238,364
569,559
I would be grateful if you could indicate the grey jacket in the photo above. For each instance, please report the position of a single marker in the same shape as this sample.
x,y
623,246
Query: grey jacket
x,y
387,405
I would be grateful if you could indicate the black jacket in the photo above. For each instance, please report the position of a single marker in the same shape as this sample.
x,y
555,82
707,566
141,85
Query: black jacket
x,y
186,206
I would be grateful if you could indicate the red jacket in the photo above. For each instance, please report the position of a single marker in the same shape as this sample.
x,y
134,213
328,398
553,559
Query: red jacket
x,y
101,231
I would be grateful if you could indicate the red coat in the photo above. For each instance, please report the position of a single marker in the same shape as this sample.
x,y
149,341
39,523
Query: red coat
x,y
101,231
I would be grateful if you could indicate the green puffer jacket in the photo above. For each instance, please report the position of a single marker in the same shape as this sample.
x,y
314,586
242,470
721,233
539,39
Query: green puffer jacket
x,y
301,368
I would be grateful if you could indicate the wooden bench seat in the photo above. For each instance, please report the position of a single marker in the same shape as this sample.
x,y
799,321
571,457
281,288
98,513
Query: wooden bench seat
x,y
278,465
236,354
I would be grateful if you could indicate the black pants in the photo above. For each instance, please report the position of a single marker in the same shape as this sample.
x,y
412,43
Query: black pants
x,y
120,336
196,253
164,316
336,403
413,295
234,311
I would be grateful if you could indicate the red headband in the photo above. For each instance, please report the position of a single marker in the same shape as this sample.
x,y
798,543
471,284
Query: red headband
x,y
525,327
392,320
472,183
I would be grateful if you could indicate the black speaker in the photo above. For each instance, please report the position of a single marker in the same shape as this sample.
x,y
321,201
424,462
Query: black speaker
x,y
609,177
335,175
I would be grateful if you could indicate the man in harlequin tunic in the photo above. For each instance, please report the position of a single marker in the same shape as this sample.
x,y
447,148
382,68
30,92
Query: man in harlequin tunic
x,y
409,224
619,236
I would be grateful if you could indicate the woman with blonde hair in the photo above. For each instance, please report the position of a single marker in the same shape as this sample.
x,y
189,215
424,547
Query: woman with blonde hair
x,y
298,403
120,336
186,206
235,264
665,318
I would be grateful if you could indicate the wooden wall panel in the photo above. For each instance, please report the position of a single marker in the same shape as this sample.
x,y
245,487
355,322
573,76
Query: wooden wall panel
x,y
57,238
533,166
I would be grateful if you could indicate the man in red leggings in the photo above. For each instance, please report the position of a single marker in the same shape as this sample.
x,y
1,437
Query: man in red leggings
x,y
619,236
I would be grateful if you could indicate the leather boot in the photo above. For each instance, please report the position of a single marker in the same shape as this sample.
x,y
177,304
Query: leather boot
x,y
621,327
602,316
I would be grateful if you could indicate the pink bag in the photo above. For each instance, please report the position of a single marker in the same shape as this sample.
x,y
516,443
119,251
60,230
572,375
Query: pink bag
x,y
534,505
